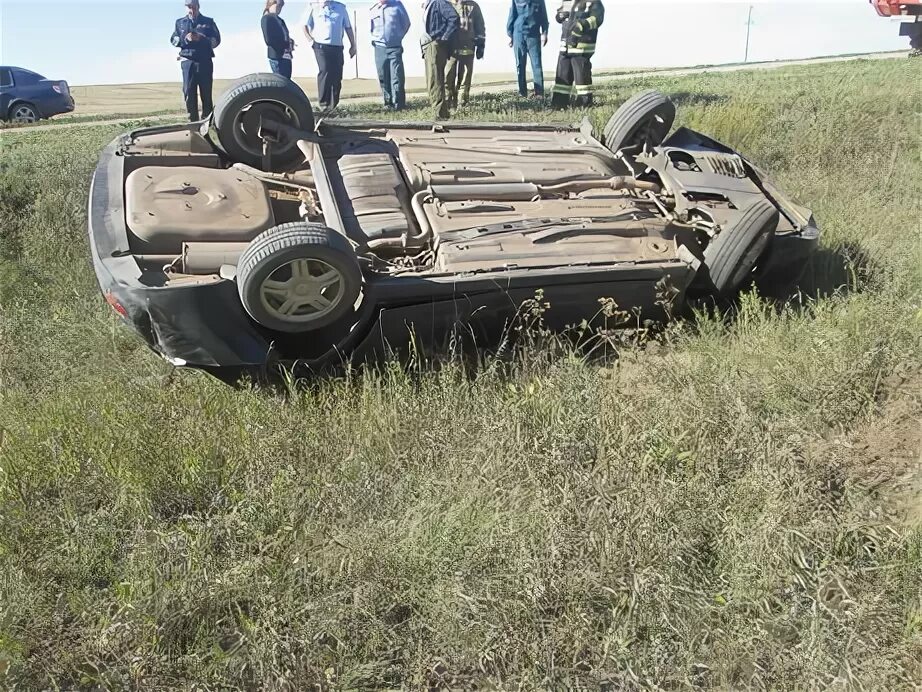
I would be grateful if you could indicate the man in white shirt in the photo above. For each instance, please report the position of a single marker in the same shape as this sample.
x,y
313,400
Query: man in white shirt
x,y
326,23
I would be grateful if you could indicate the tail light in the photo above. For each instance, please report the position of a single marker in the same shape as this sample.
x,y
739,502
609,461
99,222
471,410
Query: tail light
x,y
118,307
61,88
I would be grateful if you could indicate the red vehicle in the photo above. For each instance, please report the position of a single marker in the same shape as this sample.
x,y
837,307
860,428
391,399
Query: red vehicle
x,y
892,8
907,8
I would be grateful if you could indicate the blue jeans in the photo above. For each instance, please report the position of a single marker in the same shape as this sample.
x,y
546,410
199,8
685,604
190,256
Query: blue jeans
x,y
282,67
528,48
389,62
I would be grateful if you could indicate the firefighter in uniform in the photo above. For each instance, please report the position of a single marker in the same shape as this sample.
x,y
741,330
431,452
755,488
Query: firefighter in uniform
x,y
470,42
580,20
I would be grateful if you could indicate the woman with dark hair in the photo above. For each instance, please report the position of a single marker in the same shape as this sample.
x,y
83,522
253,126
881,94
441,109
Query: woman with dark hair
x,y
278,43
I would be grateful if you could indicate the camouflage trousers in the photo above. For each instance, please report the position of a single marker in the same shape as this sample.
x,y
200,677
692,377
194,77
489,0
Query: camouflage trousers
x,y
458,78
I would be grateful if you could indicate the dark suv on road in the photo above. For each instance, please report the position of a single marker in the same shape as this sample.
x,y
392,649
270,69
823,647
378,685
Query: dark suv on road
x,y
26,96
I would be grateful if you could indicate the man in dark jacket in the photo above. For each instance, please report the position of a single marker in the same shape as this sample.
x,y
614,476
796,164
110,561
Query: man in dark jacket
x,y
441,25
196,36
527,27
580,21
470,43
279,45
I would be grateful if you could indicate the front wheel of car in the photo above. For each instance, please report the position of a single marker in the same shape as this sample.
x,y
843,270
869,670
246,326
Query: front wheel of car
x,y
298,277
24,113
732,256
643,121
256,98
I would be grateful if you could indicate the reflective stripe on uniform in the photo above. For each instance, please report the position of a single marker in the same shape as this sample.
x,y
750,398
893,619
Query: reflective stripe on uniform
x,y
578,48
583,89
565,89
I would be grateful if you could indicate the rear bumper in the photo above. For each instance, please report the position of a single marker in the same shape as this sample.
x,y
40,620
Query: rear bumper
x,y
202,325
58,105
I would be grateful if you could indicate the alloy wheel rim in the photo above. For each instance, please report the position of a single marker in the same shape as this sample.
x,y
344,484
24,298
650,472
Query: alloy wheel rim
x,y
302,290
24,114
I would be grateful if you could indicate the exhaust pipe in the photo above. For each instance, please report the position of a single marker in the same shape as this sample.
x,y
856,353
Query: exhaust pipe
x,y
524,192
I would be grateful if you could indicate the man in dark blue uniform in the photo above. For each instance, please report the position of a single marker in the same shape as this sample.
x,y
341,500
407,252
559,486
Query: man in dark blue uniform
x,y
196,36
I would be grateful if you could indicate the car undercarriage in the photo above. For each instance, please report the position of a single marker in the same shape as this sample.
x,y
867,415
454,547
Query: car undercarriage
x,y
259,235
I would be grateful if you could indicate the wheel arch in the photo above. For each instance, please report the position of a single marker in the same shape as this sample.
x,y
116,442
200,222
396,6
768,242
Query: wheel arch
x,y
23,102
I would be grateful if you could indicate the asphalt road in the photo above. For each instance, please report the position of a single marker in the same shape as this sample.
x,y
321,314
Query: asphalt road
x,y
506,86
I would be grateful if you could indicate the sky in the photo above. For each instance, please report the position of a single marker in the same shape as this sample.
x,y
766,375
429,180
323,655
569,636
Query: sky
x,y
109,42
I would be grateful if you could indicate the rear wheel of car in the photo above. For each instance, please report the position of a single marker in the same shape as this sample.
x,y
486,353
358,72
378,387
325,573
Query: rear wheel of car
x,y
298,277
256,97
23,113
643,120
732,256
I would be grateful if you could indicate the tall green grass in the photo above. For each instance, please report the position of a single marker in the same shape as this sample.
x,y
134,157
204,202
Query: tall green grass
x,y
689,516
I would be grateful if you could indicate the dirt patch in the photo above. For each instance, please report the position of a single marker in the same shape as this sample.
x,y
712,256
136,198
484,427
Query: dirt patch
x,y
886,451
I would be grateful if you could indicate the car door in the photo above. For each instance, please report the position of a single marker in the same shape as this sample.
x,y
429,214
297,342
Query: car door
x,y
29,87
7,89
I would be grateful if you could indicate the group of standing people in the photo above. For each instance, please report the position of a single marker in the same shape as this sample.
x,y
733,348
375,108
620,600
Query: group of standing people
x,y
453,37
326,26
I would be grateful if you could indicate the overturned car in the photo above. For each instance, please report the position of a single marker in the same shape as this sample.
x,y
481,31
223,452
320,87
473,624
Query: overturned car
x,y
261,236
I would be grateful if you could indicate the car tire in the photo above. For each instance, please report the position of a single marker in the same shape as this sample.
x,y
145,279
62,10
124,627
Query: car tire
x,y
238,110
644,119
24,112
732,256
280,277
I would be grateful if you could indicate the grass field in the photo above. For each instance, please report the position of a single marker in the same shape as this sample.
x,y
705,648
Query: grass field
x,y
732,504
160,97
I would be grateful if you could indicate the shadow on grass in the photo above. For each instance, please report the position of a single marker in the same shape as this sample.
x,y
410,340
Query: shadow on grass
x,y
846,268
838,271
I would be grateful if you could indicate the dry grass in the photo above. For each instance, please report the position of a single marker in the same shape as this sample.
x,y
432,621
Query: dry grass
x,y
677,519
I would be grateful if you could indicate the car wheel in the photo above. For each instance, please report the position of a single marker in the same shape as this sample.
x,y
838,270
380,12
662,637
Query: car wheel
x,y
298,277
732,256
268,96
24,113
643,120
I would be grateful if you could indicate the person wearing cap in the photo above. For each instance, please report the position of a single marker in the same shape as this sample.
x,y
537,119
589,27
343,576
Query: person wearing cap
x,y
327,22
279,45
196,36
389,24
470,42
527,27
